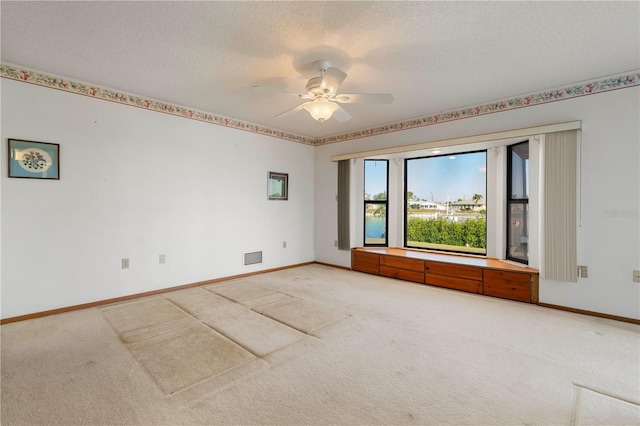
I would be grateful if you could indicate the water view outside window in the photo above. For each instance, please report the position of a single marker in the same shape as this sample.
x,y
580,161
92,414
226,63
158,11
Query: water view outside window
x,y
376,178
446,205
518,203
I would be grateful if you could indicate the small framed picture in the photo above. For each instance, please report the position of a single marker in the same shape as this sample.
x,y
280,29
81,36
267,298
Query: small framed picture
x,y
278,186
35,160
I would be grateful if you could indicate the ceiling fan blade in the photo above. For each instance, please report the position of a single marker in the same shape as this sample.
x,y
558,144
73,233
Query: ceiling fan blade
x,y
364,98
335,75
291,111
331,80
341,115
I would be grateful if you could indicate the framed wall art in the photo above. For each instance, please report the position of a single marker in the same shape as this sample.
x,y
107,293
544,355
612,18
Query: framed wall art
x,y
278,186
35,160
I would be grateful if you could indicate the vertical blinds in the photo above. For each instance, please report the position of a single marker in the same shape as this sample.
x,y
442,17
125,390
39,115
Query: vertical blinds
x,y
559,213
344,242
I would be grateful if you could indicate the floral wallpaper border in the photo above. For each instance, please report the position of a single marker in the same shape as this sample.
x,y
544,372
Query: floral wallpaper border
x,y
583,89
29,76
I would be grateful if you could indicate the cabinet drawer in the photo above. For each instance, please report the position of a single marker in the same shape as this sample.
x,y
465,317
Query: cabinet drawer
x,y
455,283
403,263
365,262
453,270
402,274
507,285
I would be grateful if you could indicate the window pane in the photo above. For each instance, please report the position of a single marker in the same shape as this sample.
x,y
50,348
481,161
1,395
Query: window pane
x,y
375,224
375,204
375,179
517,203
446,202
519,231
520,171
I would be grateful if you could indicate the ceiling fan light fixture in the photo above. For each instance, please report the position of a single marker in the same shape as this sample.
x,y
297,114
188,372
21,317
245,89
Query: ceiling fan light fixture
x,y
323,97
321,109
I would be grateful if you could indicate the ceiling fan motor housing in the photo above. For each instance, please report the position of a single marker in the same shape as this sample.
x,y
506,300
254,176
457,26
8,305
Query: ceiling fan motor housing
x,y
313,87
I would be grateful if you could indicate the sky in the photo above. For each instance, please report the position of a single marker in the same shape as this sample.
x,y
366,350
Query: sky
x,y
375,177
439,178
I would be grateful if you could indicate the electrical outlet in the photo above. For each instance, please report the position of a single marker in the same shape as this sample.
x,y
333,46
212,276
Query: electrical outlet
x,y
125,263
163,258
284,244
636,276
582,272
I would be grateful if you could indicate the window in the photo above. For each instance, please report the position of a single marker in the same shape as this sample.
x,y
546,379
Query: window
x,y
445,202
518,202
376,178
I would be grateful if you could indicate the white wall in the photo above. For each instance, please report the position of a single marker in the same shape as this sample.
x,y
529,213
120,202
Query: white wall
x,y
137,184
609,234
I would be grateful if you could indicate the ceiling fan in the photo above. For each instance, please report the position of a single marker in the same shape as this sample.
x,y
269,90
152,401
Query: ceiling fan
x,y
322,93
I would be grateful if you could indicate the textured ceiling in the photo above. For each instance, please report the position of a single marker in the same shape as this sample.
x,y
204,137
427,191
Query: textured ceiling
x,y
432,56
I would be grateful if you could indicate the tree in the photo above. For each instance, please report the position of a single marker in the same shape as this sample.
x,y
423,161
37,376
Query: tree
x,y
410,195
380,196
381,210
476,198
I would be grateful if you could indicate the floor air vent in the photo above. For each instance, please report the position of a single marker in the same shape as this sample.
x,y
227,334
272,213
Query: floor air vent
x,y
252,257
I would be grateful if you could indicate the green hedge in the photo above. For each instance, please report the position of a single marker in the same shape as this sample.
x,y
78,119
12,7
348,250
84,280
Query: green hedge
x,y
470,233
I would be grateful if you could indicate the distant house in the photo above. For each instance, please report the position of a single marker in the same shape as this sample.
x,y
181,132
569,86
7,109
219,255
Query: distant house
x,y
426,205
469,205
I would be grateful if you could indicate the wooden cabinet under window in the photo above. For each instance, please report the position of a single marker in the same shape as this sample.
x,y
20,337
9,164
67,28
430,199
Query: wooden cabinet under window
x,y
508,285
402,268
454,276
490,277
365,262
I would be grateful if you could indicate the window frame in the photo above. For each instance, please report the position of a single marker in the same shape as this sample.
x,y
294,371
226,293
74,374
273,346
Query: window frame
x,y
384,202
405,207
514,201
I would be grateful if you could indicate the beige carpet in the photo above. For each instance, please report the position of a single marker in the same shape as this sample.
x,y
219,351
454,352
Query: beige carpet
x,y
188,336
145,318
254,332
185,357
595,408
300,314
248,293
175,348
319,345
